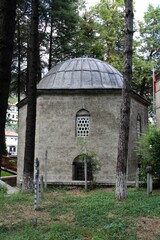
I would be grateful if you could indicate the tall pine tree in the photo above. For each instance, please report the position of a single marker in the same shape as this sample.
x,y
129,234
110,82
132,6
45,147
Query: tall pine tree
x,y
31,105
7,27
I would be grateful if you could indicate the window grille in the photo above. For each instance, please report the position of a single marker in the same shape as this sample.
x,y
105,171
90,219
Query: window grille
x,y
82,123
138,127
82,126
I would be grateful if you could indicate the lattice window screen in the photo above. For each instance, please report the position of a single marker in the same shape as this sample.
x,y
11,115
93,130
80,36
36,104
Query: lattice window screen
x,y
83,126
138,129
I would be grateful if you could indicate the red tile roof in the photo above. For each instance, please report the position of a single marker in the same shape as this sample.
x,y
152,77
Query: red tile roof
x,y
10,133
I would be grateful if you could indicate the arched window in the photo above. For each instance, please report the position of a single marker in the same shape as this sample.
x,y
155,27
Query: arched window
x,y
82,123
78,168
138,126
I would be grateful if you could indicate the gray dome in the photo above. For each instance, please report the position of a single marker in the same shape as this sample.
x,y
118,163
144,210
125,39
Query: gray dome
x,y
82,73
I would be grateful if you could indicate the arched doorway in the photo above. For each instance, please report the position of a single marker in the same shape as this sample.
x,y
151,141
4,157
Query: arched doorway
x,y
78,168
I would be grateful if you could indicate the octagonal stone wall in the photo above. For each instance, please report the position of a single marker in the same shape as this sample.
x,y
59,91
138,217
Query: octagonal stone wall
x,y
56,132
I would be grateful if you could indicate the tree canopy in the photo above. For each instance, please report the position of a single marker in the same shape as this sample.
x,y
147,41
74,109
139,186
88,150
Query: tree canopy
x,y
109,18
147,52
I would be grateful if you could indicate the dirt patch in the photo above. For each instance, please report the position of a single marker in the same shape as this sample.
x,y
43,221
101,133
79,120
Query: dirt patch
x,y
112,215
147,228
26,213
30,213
66,218
57,194
77,192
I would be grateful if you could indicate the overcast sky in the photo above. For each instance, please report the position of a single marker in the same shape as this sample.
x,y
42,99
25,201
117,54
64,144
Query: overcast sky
x,y
140,5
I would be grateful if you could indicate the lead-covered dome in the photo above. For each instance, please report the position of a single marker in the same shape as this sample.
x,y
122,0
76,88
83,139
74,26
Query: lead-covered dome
x,y
82,73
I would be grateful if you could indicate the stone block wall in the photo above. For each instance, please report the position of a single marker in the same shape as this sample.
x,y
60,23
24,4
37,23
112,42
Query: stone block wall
x,y
56,132
138,108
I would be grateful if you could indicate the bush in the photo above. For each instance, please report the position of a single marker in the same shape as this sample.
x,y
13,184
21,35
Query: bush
x,y
149,152
3,189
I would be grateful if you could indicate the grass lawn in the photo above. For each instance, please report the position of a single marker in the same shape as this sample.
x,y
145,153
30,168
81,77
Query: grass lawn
x,y
79,215
4,174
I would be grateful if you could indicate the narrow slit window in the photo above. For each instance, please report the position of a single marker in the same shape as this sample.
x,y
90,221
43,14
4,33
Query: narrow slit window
x,y
138,126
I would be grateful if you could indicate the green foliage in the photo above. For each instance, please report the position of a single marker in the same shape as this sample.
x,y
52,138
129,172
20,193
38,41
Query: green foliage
x,y
146,52
20,54
60,16
94,161
12,100
98,33
12,126
3,189
110,26
142,76
87,42
149,152
150,31
63,20
4,174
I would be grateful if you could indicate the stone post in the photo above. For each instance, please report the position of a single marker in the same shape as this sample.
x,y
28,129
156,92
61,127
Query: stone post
x,y
36,184
149,181
85,171
46,169
137,178
41,187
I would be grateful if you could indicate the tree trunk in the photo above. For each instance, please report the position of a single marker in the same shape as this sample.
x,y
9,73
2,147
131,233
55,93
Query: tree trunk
x,y
19,61
121,180
50,42
7,27
28,170
142,87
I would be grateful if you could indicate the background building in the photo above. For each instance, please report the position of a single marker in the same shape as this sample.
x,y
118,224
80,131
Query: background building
x,y
11,142
12,113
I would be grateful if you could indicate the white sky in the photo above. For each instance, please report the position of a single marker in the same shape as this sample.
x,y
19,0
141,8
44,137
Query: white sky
x,y
140,5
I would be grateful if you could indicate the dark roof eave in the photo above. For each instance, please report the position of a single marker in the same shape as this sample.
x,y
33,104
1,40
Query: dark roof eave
x,y
77,89
22,102
141,99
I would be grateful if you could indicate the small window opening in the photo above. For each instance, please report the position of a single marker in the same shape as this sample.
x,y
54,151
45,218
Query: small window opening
x,y
82,123
138,126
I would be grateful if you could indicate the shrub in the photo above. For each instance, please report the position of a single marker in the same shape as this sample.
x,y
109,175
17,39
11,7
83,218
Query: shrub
x,y
3,189
149,152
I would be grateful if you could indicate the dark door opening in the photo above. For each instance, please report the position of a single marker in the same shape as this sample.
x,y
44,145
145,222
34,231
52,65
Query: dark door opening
x,y
78,169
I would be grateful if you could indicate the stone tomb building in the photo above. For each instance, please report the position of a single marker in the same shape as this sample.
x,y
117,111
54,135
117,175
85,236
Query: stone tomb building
x,y
81,98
